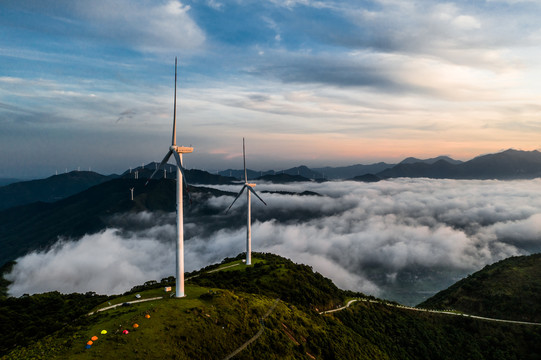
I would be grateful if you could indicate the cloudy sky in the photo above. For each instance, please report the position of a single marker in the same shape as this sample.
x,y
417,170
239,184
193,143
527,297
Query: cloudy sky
x,y
90,83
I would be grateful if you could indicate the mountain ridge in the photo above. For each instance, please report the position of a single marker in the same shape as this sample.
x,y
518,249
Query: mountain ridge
x,y
50,189
507,165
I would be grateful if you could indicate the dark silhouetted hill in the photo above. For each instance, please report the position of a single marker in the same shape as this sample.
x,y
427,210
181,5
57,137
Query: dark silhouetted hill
x,y
283,178
507,165
39,225
366,178
50,189
348,172
412,160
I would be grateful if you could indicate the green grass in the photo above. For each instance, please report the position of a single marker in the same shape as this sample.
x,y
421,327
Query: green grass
x,y
212,321
186,322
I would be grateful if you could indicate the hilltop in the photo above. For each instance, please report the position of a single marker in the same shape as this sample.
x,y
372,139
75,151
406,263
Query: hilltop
x,y
272,307
509,289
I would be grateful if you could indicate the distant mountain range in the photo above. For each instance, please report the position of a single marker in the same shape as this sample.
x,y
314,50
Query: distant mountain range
x,y
412,160
349,172
507,165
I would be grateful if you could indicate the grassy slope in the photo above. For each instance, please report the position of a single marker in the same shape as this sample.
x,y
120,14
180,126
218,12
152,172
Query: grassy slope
x,y
509,289
211,322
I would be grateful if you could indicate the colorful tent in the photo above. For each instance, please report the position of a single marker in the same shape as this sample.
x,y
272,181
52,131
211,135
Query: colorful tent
x,y
135,326
94,338
147,316
89,342
125,332
103,332
88,346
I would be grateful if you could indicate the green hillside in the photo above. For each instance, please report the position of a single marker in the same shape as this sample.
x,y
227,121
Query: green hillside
x,y
509,289
270,307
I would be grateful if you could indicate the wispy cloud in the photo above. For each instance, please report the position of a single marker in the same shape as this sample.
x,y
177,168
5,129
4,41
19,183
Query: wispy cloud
x,y
375,80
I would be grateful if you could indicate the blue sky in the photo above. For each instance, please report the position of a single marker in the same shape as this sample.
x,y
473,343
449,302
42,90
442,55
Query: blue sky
x,y
89,84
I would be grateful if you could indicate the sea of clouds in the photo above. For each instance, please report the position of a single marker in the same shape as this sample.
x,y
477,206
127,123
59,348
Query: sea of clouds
x,y
401,239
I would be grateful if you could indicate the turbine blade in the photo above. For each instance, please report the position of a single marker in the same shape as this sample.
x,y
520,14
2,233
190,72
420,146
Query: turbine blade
x,y
244,157
253,192
185,182
238,195
165,159
174,139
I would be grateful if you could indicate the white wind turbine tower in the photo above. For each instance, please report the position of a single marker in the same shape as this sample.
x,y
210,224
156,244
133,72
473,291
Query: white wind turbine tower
x,y
177,151
250,187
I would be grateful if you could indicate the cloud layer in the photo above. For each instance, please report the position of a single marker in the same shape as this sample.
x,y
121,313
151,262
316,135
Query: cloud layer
x,y
403,239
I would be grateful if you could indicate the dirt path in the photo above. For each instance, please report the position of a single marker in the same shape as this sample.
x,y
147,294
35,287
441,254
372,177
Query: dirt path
x,y
431,311
257,335
225,267
127,302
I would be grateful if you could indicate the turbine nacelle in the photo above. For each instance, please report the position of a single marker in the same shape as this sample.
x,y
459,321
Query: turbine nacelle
x,y
181,149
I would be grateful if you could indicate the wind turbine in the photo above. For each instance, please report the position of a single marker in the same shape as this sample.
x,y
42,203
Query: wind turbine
x,y
250,187
177,151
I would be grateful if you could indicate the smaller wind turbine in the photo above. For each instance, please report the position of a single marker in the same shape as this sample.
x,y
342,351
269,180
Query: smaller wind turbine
x,y
131,190
250,187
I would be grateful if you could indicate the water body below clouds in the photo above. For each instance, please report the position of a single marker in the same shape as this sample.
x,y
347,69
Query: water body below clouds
x,y
402,239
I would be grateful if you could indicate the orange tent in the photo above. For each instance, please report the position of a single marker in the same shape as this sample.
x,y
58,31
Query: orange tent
x,y
147,316
89,342
135,326
94,338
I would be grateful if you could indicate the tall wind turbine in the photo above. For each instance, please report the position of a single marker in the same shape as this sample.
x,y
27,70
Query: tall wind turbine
x,y
250,187
177,152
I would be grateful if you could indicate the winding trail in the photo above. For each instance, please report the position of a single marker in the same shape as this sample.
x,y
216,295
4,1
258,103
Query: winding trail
x,y
431,311
222,268
257,335
126,302
340,308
